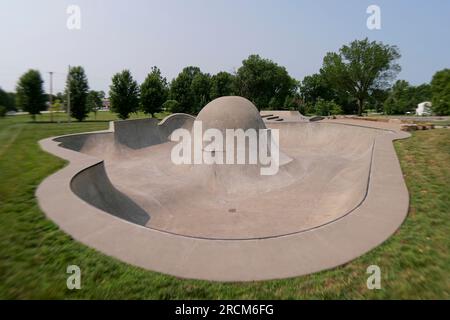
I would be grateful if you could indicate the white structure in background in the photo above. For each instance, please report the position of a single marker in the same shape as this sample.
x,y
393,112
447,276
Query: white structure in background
x,y
424,109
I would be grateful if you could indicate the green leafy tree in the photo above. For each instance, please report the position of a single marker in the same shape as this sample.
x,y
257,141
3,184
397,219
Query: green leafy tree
x,y
422,93
2,111
181,89
403,97
293,102
95,101
360,68
222,84
30,95
12,101
327,108
200,88
172,106
440,89
264,82
56,106
124,94
4,98
399,100
62,97
153,92
377,99
77,85
7,99
315,87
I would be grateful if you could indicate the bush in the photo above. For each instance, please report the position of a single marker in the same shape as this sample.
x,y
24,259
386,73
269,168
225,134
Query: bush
x,y
172,106
307,108
292,103
327,108
2,111
124,94
440,88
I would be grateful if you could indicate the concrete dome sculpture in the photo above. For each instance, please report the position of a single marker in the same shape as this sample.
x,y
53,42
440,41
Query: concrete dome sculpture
x,y
230,113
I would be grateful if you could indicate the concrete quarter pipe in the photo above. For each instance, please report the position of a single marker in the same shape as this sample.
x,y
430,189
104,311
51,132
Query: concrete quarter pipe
x,y
339,194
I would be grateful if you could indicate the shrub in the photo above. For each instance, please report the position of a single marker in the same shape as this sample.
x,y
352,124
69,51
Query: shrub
x,y
124,94
172,106
292,103
327,108
440,88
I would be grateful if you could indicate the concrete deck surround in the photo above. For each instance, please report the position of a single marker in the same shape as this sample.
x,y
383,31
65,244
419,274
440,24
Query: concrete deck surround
x,y
342,194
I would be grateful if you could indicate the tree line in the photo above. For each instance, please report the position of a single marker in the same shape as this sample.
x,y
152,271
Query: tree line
x,y
357,78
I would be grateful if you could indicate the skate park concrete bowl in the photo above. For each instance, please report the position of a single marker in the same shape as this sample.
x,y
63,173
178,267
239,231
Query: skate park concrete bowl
x,y
338,193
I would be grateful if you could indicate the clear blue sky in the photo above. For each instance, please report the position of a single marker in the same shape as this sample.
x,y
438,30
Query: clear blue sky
x,y
212,34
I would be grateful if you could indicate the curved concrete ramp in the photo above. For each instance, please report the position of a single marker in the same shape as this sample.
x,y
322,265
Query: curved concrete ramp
x,y
141,133
93,186
282,115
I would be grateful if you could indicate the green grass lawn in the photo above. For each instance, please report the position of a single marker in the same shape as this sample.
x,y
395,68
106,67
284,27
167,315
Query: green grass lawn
x,y
444,120
99,116
34,253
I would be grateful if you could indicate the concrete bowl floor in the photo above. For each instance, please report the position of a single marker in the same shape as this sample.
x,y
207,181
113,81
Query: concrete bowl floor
x,y
326,180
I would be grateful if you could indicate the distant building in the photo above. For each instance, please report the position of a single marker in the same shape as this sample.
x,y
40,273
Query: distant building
x,y
424,109
106,104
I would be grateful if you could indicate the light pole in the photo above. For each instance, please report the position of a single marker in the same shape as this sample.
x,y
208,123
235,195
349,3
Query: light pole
x,y
68,96
51,96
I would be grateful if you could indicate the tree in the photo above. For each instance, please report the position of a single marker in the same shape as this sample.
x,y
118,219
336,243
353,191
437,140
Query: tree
x,y
404,97
12,101
2,111
422,93
78,87
440,89
293,102
95,101
377,99
200,88
7,100
124,94
4,100
264,82
172,106
360,68
399,99
56,106
30,95
153,92
181,89
62,97
315,87
222,84
327,108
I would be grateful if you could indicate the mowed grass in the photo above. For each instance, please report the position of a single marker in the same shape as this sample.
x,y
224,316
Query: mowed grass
x,y
34,253
61,117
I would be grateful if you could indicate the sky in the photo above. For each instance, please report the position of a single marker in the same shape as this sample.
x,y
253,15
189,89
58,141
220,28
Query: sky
x,y
215,35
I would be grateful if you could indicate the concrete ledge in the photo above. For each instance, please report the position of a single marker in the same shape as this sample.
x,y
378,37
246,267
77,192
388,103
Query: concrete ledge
x,y
325,247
